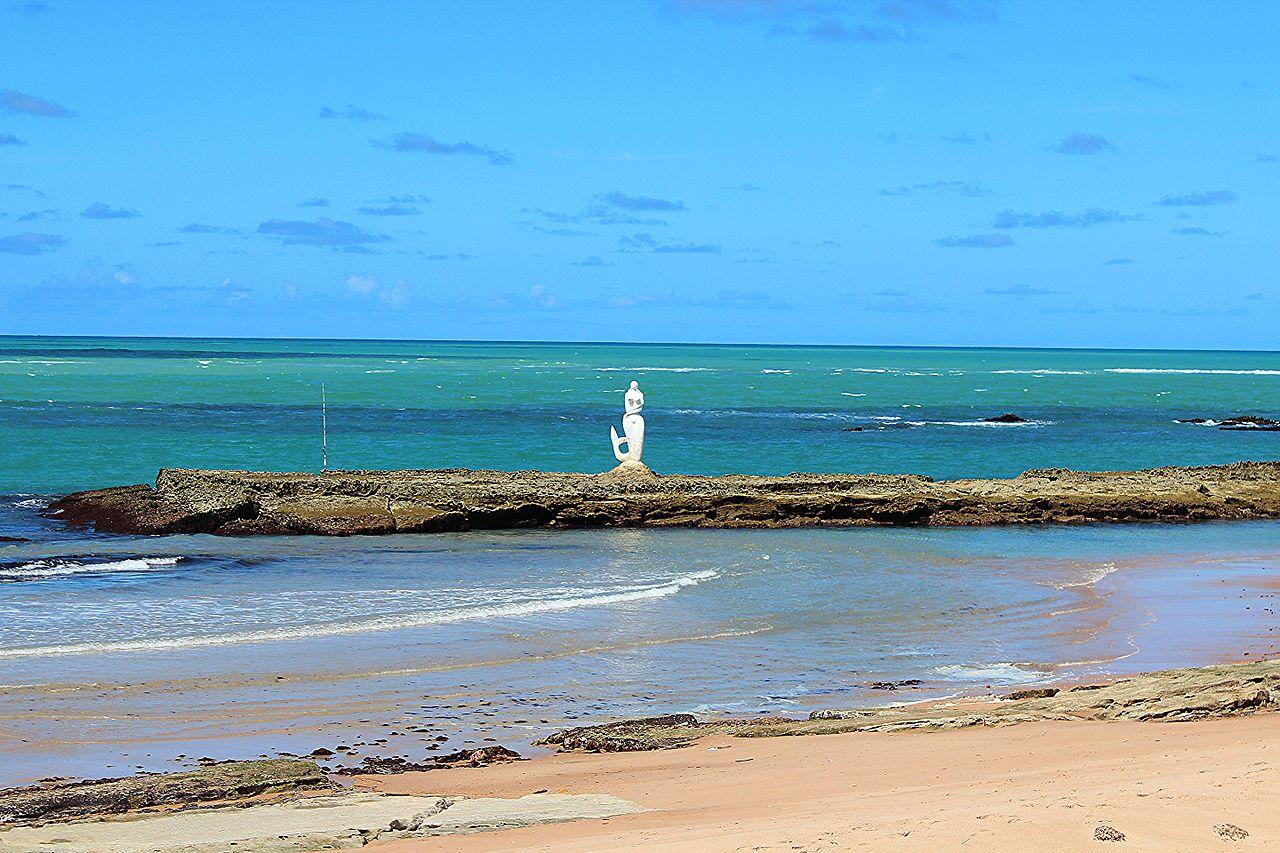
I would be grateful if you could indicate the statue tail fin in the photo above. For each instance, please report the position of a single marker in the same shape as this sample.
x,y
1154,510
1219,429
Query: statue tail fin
x,y
617,445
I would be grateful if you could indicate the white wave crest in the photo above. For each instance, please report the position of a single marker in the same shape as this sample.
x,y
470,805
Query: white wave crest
x,y
1046,372
364,626
1190,370
1092,576
1007,673
1027,423
58,568
654,369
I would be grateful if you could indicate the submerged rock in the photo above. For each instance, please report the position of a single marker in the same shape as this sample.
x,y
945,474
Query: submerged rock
x,y
1249,422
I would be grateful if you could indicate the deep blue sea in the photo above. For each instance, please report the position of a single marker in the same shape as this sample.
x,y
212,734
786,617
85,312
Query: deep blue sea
x,y
125,652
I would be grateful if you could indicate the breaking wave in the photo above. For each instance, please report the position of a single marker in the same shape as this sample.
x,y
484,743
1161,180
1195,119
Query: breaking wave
x,y
1007,673
59,568
364,626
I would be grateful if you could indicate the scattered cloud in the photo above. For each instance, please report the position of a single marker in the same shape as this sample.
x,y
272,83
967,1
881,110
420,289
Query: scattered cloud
x,y
390,210
1021,290
747,187
728,299
976,241
364,286
1153,82
1267,158
964,137
421,142
23,188
1057,219
561,232
351,113
396,205
20,103
968,189
102,210
1082,143
835,31
314,201
10,139
31,7
936,11
894,300
611,208
200,228
456,256
33,215
323,232
1202,199
1118,262
880,22
647,243
638,202
31,244
1196,232
593,261
689,249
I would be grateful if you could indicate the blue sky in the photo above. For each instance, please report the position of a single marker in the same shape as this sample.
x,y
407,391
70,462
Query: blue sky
x,y
881,172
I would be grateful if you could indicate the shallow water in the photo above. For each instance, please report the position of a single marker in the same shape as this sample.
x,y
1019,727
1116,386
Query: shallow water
x,y
121,652
126,652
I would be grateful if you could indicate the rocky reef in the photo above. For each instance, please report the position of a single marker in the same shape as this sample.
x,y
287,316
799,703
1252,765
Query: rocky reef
x,y
339,503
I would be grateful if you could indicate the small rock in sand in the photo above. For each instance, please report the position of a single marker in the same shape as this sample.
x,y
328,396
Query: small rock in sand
x,y
1033,693
1107,833
1231,832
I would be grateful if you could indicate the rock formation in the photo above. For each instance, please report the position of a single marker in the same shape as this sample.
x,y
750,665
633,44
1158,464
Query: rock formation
x,y
338,503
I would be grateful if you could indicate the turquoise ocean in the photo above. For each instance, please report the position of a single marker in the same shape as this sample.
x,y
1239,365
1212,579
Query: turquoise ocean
x,y
124,652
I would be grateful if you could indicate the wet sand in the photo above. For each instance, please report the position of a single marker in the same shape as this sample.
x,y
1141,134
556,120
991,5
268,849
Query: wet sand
x,y
1031,786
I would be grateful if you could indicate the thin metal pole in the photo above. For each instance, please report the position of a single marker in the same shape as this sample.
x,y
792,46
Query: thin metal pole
x,y
324,430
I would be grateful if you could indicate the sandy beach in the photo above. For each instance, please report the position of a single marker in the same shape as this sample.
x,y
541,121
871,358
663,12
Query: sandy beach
x,y
1028,787
1177,760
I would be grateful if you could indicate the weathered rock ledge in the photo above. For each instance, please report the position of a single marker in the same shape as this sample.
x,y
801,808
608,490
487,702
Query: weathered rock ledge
x,y
1171,696
338,503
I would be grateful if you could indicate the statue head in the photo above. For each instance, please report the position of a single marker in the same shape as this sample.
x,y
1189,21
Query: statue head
x,y
635,386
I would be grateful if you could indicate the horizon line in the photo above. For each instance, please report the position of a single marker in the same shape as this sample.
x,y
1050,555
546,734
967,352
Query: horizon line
x,y
513,341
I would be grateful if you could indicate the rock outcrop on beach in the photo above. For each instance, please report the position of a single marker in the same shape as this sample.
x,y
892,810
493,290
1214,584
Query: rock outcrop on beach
x,y
340,503
234,780
1179,695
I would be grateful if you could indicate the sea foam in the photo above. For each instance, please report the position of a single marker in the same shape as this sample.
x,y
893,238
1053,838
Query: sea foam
x,y
364,626
58,568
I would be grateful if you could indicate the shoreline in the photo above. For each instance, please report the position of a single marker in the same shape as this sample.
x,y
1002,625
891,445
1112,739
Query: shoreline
x,y
989,771
343,503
